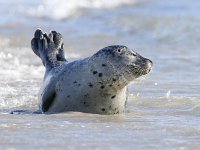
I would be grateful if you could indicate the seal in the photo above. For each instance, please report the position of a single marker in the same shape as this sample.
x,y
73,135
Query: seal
x,y
96,84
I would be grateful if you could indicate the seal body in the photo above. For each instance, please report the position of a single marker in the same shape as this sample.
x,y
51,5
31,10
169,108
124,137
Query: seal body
x,y
79,87
97,84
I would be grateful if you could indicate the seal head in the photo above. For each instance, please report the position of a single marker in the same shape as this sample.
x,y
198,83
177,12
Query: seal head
x,y
123,62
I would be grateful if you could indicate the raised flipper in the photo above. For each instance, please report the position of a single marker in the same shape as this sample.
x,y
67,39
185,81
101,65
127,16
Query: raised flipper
x,y
48,47
58,41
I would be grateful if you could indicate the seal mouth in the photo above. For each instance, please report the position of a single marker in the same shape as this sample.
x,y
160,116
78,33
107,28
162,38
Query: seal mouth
x,y
139,70
136,70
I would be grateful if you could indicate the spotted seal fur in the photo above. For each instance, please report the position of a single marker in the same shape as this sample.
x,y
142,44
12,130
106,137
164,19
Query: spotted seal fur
x,y
96,84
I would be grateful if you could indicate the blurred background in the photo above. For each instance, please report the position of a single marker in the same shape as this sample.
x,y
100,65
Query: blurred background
x,y
163,106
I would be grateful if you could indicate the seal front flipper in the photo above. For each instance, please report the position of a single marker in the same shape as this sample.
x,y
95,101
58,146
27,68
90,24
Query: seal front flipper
x,y
47,98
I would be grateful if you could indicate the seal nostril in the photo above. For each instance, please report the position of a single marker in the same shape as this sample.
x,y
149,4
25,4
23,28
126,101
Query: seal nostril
x,y
149,63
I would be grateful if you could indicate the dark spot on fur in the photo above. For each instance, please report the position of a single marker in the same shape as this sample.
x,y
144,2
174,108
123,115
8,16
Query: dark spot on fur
x,y
110,106
86,104
75,82
102,87
103,65
103,109
113,96
110,85
68,96
94,72
117,112
100,74
114,79
86,95
79,84
90,84
118,85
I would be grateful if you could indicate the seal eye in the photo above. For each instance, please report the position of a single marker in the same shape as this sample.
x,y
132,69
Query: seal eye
x,y
119,50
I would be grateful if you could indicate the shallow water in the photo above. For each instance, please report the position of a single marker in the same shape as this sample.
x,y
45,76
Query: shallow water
x,y
163,110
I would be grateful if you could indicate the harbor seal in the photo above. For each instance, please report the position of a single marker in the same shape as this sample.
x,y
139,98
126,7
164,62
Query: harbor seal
x,y
96,84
